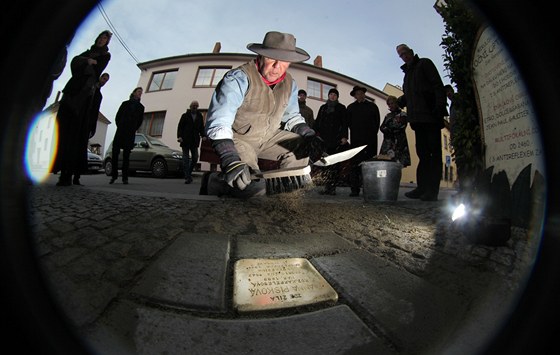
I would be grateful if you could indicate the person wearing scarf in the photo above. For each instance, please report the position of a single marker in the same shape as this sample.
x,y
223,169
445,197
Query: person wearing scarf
x,y
75,109
254,114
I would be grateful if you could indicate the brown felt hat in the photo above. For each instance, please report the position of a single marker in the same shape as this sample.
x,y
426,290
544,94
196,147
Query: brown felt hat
x,y
279,46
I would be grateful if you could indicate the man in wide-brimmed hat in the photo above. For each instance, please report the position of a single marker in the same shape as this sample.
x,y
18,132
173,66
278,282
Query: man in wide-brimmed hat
x,y
363,120
254,114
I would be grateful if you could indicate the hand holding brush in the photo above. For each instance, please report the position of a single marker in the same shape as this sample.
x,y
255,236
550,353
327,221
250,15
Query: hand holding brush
x,y
235,172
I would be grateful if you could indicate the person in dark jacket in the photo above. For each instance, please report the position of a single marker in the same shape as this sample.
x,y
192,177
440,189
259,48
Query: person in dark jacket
x,y
128,119
189,131
75,110
96,104
425,101
305,110
332,128
363,120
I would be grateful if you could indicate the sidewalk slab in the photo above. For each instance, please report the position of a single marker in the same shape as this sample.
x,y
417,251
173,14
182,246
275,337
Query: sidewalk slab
x,y
334,330
290,246
417,317
190,274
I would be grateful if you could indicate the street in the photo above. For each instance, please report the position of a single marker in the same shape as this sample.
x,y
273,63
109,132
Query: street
x,y
147,268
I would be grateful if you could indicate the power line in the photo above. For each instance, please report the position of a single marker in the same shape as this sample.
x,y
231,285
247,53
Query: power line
x,y
115,32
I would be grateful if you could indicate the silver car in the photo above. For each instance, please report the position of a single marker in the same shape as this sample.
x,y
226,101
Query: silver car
x,y
149,154
94,162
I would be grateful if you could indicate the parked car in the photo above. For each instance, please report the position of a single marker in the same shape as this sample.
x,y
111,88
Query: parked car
x,y
94,162
149,154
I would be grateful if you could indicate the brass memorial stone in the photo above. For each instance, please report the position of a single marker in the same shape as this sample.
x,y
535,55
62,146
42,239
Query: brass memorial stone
x,y
265,284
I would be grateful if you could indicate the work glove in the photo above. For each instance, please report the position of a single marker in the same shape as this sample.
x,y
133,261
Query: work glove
x,y
237,175
235,172
314,146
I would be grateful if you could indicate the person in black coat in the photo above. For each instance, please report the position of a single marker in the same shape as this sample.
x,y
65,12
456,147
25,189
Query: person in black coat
x,y
426,105
95,104
75,110
189,131
128,119
363,119
332,128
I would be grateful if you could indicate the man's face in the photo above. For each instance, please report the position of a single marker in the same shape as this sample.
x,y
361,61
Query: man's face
x,y
359,95
102,40
103,79
405,54
138,93
272,69
194,106
333,96
302,97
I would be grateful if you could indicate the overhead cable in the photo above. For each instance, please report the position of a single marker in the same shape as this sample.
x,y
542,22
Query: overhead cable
x,y
115,32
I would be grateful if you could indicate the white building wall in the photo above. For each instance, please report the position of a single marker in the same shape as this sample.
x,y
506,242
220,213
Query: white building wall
x,y
176,101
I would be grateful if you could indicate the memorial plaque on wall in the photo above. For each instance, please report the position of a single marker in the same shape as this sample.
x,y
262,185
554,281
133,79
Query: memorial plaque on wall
x,y
265,284
509,127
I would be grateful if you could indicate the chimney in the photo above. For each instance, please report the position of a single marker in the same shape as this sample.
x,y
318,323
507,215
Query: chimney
x,y
217,47
318,62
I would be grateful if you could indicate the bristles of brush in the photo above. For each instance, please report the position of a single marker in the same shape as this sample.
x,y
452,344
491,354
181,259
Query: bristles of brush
x,y
286,180
278,185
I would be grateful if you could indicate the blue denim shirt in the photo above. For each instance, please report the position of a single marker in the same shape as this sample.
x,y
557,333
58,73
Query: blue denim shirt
x,y
229,96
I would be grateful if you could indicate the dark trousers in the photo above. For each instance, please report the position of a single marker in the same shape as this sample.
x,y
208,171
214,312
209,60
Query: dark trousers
x,y
428,149
125,163
355,178
189,162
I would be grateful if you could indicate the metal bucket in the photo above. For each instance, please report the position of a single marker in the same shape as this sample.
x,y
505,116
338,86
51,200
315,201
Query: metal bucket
x,y
381,180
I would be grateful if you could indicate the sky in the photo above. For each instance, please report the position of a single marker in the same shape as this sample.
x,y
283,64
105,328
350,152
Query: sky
x,y
355,38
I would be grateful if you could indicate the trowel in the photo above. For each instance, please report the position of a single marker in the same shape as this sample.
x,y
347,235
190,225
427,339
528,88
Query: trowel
x,y
338,157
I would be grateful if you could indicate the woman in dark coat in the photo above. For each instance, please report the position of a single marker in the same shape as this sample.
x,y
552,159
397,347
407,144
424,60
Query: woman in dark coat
x,y
129,119
74,113
395,144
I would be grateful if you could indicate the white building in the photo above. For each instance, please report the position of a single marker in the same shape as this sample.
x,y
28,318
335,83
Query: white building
x,y
170,84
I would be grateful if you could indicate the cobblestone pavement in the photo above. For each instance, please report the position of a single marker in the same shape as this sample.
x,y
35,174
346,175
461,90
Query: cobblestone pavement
x,y
93,243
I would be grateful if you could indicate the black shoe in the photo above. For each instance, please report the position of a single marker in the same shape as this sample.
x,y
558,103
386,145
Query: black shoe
x,y
188,180
125,182
354,194
414,194
204,183
63,183
428,197
112,180
327,192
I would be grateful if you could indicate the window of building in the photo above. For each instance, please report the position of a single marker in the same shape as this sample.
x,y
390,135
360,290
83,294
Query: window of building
x,y
162,80
318,89
209,77
152,124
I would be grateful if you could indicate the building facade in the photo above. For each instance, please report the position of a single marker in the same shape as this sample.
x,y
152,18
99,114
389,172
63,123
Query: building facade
x,y
171,84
